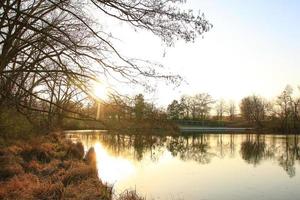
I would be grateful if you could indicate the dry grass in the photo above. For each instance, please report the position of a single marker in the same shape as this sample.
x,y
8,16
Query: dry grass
x,y
130,195
49,168
10,165
52,168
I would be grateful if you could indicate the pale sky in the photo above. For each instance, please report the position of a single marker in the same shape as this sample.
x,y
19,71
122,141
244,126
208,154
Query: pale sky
x,y
252,49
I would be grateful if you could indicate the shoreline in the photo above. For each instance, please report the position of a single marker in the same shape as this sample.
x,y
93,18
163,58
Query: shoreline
x,y
206,130
52,167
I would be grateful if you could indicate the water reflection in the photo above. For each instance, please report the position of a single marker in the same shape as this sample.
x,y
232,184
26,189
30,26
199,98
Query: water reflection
x,y
126,160
112,168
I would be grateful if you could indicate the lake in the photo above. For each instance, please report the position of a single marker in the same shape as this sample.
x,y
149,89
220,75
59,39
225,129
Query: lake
x,y
199,166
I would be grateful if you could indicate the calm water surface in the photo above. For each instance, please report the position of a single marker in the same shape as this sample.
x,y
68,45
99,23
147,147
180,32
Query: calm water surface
x,y
203,166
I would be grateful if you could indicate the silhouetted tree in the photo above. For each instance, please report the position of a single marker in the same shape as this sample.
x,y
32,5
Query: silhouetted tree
x,y
185,103
231,110
174,110
287,109
139,106
253,109
220,109
202,105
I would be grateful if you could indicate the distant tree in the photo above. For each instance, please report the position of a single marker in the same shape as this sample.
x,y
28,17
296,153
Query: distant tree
x,y
253,109
149,111
296,112
139,106
185,103
202,104
288,109
220,109
174,110
231,110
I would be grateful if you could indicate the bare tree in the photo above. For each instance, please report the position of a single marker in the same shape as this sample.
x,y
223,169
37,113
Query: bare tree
x,y
44,43
220,109
287,109
253,109
231,110
202,105
185,104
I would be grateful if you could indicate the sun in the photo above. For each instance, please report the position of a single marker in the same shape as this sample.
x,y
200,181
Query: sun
x,y
100,90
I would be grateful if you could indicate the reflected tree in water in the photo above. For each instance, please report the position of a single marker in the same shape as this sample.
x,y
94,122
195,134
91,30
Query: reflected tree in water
x,y
202,148
289,155
194,148
253,149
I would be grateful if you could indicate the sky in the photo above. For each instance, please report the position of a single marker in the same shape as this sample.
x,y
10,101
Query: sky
x,y
253,48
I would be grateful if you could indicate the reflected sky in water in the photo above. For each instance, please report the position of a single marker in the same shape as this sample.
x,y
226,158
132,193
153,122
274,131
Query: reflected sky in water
x,y
206,166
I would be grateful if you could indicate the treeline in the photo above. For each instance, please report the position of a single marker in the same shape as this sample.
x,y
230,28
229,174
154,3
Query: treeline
x,y
130,108
281,113
199,107
131,114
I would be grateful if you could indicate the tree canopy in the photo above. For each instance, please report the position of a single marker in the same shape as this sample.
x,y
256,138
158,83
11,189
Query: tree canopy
x,y
53,47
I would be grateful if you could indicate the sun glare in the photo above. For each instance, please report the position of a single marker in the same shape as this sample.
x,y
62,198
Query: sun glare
x,y
99,90
112,169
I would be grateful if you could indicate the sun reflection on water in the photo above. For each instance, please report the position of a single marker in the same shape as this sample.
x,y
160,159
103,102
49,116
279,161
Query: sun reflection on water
x,y
111,169
195,167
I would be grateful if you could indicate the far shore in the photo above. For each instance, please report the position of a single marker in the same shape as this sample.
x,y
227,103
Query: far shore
x,y
183,131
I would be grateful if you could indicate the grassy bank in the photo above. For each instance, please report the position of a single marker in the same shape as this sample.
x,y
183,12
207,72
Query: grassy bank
x,y
51,167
